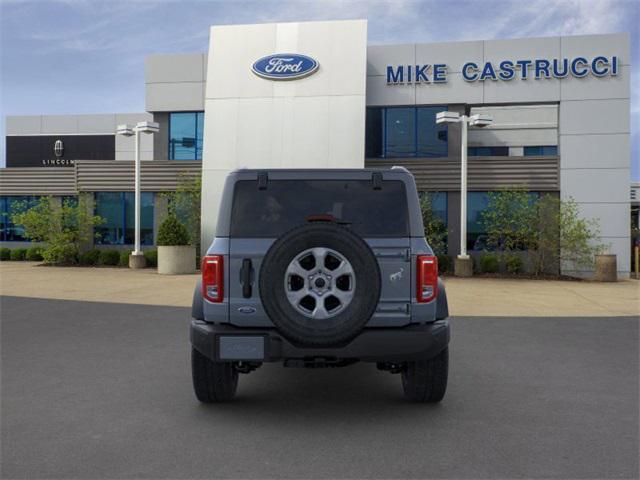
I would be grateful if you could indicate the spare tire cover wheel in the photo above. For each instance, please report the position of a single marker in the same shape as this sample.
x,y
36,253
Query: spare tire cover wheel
x,y
320,284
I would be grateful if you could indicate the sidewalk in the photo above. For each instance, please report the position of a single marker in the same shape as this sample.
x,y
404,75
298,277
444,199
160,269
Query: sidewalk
x,y
467,297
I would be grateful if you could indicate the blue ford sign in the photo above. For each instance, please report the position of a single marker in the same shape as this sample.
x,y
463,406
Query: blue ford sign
x,y
285,66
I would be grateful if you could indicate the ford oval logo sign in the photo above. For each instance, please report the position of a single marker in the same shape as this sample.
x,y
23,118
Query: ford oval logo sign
x,y
285,66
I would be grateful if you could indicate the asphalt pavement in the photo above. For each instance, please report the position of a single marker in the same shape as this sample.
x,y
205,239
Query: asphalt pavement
x,y
103,390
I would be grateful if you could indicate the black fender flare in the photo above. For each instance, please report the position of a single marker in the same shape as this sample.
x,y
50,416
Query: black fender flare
x,y
442,306
197,310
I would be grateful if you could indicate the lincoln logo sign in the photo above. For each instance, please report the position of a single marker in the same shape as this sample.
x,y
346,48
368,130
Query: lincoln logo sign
x,y
58,148
505,70
285,66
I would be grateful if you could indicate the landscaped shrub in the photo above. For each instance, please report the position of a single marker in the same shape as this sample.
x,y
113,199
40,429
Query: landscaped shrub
x,y
489,263
63,227
18,254
90,257
444,263
124,258
34,254
5,254
152,258
172,232
109,257
513,263
61,254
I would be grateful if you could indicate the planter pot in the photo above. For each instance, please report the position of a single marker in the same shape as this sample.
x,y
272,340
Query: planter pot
x,y
606,268
176,260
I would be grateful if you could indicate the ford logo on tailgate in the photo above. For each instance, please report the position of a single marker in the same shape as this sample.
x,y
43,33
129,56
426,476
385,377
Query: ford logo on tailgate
x,y
285,66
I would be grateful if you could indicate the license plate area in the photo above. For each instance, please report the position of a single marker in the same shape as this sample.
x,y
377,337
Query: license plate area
x,y
241,347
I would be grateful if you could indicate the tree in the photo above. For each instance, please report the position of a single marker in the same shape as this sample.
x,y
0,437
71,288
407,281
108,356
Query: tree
x,y
435,230
564,238
184,203
509,219
63,227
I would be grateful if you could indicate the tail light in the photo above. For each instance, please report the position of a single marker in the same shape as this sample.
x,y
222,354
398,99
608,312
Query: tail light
x,y
213,278
427,276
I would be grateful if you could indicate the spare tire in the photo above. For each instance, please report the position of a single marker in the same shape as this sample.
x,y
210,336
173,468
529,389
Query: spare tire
x,y
320,284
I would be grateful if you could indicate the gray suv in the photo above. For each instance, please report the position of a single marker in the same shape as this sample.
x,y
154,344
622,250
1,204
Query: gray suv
x,y
320,268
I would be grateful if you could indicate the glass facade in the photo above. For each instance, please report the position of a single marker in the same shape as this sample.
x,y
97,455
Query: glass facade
x,y
488,151
117,209
397,132
9,232
185,135
439,205
541,151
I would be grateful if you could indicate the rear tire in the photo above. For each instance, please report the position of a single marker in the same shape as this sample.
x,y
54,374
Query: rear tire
x,y
213,382
425,381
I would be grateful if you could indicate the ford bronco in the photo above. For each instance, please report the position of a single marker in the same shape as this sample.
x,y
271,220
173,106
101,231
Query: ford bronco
x,y
320,268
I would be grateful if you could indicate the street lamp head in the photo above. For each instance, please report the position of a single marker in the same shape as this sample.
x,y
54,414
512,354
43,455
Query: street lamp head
x,y
124,129
447,117
480,120
148,127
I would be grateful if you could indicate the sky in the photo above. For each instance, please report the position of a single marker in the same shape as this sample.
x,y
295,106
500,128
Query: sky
x,y
87,56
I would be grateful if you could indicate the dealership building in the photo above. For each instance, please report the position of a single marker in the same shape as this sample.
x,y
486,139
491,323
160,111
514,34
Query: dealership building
x,y
560,108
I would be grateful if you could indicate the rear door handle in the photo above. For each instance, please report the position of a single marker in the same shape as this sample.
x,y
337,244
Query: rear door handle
x,y
245,277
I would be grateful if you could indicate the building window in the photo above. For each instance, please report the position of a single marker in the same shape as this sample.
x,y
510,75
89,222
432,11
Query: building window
x,y
117,209
541,151
9,232
488,151
397,132
185,135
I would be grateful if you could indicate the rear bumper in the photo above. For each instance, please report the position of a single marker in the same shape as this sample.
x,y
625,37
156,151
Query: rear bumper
x,y
267,345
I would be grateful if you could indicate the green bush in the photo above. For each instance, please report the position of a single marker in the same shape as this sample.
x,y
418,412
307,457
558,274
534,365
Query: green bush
x,y
152,258
61,254
489,263
444,263
109,257
124,258
34,254
5,254
18,254
172,232
63,227
90,257
513,263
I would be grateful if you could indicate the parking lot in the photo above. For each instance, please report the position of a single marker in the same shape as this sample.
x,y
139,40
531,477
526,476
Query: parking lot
x,y
103,390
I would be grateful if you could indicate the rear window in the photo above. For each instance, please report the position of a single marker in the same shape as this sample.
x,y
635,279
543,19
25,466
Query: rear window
x,y
285,204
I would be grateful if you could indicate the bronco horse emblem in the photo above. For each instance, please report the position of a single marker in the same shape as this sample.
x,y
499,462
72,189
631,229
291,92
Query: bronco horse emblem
x,y
394,277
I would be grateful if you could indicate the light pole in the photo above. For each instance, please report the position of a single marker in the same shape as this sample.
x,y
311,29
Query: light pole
x,y
463,264
136,259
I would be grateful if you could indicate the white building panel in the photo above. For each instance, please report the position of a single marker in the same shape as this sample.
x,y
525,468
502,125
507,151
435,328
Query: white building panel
x,y
522,91
97,124
175,97
595,151
176,68
380,56
23,125
453,54
596,185
590,46
260,123
381,94
596,88
454,90
521,49
59,124
594,117
612,219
